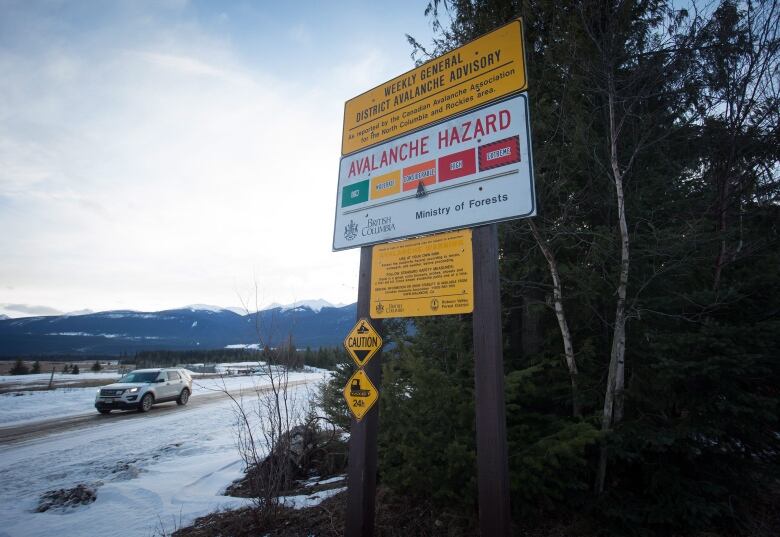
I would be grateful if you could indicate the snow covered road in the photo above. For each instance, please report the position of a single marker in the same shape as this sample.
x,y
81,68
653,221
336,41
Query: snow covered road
x,y
152,472
37,422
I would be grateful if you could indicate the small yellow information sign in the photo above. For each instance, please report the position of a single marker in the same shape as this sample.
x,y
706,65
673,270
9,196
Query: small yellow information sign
x,y
360,394
428,276
477,73
362,342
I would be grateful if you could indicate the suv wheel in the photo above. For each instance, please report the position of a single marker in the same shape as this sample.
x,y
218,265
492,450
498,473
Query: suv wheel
x,y
104,411
183,397
146,403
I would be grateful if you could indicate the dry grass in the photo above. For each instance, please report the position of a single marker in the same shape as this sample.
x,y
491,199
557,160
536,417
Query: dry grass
x,y
47,366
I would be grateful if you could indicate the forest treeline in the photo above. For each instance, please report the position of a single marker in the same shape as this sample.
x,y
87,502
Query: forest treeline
x,y
641,306
323,357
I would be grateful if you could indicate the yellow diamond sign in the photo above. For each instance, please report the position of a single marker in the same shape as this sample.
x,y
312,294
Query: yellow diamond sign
x,y
360,394
362,342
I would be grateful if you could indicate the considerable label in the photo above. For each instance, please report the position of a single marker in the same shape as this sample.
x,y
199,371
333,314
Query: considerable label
x,y
424,173
360,394
469,170
362,342
428,276
477,73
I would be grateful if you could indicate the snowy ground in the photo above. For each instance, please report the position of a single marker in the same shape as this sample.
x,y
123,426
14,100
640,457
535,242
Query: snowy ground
x,y
34,406
152,473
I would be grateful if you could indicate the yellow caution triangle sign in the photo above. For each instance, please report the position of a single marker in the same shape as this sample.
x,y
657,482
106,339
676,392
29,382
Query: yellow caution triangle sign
x,y
362,342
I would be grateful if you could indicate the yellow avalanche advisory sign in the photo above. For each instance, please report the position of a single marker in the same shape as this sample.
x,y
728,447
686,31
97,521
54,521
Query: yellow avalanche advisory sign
x,y
360,394
477,73
362,342
428,276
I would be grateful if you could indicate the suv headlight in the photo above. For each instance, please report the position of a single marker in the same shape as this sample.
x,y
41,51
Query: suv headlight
x,y
132,390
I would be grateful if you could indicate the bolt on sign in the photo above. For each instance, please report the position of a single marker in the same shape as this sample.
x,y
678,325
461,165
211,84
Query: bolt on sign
x,y
360,394
477,73
362,342
427,276
469,170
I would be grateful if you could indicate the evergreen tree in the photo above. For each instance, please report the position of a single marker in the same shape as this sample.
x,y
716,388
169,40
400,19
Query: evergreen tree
x,y
308,357
36,367
75,369
681,109
330,397
96,367
426,441
19,368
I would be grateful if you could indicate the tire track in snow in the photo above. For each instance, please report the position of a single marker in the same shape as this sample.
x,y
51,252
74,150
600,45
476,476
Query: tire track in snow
x,y
16,434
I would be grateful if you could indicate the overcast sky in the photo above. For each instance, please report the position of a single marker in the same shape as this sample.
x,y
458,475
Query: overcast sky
x,y
158,153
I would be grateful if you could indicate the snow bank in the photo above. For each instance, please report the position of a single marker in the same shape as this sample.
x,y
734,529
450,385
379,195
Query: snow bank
x,y
152,473
310,500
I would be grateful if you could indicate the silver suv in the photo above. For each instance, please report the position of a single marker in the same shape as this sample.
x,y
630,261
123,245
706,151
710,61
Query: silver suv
x,y
142,388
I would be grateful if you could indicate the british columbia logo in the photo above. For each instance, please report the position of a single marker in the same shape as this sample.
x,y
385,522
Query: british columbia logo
x,y
350,230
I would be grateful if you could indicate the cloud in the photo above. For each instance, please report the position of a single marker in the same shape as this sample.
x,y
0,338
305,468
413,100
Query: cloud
x,y
25,310
148,160
150,172
182,64
301,34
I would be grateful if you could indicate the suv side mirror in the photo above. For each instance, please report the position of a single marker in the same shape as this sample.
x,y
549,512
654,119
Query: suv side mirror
x,y
159,380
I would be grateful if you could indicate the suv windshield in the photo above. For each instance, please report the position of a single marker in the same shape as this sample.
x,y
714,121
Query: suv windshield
x,y
135,376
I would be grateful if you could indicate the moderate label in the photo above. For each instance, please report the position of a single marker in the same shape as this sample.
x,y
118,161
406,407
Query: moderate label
x,y
470,170
360,394
479,72
362,342
427,276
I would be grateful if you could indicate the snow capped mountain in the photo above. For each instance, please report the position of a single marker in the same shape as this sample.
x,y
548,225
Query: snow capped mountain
x,y
20,311
212,309
79,312
312,323
314,305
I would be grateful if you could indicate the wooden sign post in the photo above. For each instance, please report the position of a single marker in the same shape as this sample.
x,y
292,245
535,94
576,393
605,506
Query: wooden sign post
x,y
492,462
361,472
443,147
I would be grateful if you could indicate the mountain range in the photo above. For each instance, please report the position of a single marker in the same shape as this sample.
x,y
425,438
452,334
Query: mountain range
x,y
311,324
